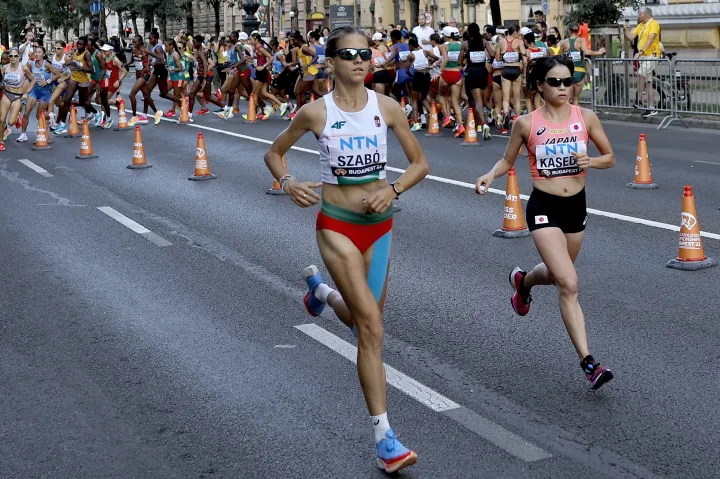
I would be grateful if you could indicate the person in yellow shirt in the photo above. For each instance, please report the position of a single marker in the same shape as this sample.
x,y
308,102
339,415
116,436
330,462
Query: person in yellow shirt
x,y
649,52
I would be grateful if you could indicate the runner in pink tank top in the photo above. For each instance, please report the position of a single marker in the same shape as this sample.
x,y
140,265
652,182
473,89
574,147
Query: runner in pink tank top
x,y
556,137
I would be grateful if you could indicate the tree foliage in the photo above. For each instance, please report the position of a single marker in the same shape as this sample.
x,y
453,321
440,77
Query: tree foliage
x,y
14,16
598,12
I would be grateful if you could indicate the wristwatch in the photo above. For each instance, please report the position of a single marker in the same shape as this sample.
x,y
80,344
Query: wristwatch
x,y
397,193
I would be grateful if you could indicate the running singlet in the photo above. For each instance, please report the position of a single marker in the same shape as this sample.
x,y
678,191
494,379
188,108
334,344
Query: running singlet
x,y
41,73
14,79
60,64
97,73
111,73
510,55
551,147
421,62
78,76
141,63
453,54
171,64
353,146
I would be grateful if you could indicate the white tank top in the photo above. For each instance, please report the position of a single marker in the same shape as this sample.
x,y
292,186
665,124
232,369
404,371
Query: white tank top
x,y
60,64
14,79
421,62
353,146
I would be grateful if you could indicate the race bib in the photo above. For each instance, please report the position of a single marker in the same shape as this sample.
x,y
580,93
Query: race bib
x,y
453,56
534,55
477,57
379,61
421,63
511,57
557,160
575,56
497,64
138,66
404,56
321,59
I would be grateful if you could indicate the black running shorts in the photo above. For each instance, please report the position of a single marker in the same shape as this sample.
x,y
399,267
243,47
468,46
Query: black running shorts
x,y
569,213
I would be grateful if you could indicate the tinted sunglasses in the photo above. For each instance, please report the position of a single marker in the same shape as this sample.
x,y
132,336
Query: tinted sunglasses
x,y
13,56
556,82
352,53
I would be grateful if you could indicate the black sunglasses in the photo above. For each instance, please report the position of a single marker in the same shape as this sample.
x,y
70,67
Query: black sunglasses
x,y
352,53
556,82
13,56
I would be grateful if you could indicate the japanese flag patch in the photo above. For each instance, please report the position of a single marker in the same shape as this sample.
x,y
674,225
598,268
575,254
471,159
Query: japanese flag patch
x,y
575,127
541,220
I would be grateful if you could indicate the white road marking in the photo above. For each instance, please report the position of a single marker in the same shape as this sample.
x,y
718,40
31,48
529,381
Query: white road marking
x,y
133,226
706,162
440,179
36,168
483,427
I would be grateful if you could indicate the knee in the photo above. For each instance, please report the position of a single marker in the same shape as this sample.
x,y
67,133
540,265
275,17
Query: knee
x,y
369,329
567,284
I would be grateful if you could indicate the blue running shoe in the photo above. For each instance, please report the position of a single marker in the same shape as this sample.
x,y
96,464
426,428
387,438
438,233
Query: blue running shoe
x,y
392,455
313,278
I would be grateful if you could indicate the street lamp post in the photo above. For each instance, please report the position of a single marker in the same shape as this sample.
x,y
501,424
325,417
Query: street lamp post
x,y
249,22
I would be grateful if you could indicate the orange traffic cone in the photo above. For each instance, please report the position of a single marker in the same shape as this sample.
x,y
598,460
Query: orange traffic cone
x,y
122,116
276,190
471,131
251,117
86,148
138,160
643,178
184,113
202,166
691,255
513,219
73,130
433,124
41,139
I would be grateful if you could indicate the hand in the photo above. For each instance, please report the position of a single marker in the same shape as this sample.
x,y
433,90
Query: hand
x,y
116,85
483,184
302,193
583,160
637,55
380,200
602,51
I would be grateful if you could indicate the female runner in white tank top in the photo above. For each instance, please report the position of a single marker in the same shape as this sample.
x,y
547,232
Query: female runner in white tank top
x,y
354,226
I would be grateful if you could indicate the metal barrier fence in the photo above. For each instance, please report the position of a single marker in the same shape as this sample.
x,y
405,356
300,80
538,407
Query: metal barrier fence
x,y
685,87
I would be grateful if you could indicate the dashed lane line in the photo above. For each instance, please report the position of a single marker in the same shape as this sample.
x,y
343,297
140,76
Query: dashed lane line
x,y
135,227
483,427
36,168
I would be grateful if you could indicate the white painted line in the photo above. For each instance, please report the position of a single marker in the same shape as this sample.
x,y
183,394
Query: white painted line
x,y
483,427
36,168
409,386
133,226
440,179
706,162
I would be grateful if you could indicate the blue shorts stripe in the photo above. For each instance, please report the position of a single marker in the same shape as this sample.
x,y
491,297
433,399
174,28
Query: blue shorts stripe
x,y
379,265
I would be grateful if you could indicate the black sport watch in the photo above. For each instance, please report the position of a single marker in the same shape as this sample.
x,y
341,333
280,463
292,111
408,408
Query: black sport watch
x,y
397,193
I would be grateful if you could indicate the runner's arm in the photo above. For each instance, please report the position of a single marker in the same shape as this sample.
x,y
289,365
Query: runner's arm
x,y
519,132
596,132
29,76
56,73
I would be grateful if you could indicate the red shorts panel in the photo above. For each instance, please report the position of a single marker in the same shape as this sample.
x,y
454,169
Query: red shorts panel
x,y
362,236
451,77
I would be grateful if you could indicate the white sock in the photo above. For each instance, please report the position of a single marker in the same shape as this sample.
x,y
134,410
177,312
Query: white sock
x,y
322,291
381,426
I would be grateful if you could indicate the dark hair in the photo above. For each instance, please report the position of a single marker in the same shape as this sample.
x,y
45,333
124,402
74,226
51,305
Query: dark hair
x,y
539,12
542,23
475,39
395,36
490,29
314,35
199,39
552,40
331,42
60,42
513,29
435,38
539,68
413,42
154,34
41,48
530,38
274,43
172,42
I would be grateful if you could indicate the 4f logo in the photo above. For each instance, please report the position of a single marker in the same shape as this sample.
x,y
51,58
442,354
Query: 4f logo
x,y
338,125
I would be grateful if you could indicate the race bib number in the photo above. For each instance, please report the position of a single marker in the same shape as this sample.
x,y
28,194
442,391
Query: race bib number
x,y
453,56
404,56
497,64
511,57
558,160
321,59
421,63
477,57
138,66
575,56
534,55
379,61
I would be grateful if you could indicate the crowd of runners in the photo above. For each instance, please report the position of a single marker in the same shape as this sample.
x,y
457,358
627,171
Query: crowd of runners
x,y
358,79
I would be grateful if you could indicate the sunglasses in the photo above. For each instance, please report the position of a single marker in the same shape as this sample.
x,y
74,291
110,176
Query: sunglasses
x,y
13,56
352,53
556,82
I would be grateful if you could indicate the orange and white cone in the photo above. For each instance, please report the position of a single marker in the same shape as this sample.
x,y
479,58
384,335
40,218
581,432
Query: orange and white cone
x,y
251,117
691,255
471,138
86,148
138,160
73,130
513,219
184,113
41,139
433,123
122,116
643,178
202,165
276,190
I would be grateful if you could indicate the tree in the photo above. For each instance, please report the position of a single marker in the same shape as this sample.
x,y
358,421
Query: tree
x,y
14,16
216,4
494,9
598,12
60,15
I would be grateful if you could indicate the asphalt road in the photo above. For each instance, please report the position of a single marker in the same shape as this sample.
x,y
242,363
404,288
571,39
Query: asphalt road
x,y
181,348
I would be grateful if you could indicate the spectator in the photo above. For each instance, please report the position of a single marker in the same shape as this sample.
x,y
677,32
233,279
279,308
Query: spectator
x,y
649,52
423,32
539,16
556,33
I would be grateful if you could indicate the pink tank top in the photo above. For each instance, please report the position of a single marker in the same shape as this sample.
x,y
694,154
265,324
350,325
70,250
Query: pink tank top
x,y
551,147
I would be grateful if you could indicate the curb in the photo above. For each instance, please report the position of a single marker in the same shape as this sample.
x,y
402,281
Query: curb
x,y
636,118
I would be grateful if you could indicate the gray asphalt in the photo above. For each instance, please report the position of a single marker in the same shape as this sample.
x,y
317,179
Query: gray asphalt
x,y
121,358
